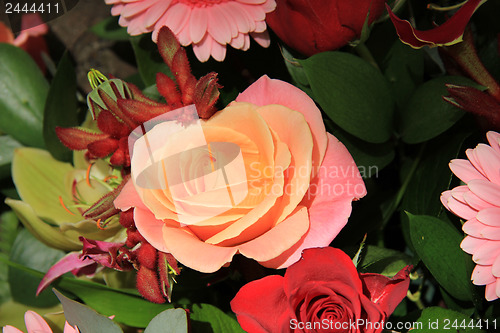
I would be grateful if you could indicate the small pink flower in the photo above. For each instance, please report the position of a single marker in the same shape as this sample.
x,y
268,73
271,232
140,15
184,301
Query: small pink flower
x,y
36,324
478,202
207,24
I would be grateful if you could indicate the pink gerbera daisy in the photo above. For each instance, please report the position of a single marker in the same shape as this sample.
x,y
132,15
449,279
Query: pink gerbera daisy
x,y
478,202
207,24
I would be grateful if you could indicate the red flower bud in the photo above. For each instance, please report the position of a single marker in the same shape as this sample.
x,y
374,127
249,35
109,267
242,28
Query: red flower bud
x,y
313,26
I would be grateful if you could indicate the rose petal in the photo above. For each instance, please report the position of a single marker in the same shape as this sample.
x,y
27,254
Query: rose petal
x,y
257,303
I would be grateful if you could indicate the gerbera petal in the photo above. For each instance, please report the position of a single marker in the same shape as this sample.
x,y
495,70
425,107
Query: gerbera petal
x,y
262,38
495,268
471,244
489,216
198,24
494,140
491,292
203,49
464,170
218,51
156,11
489,160
218,25
486,253
482,275
35,322
486,190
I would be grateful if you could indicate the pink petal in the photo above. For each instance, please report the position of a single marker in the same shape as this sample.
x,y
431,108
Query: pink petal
x,y
486,190
195,254
35,323
329,209
128,198
156,11
494,140
177,16
198,24
66,264
203,49
266,91
11,329
473,228
464,170
490,291
471,244
445,198
482,275
218,51
473,158
276,241
461,209
489,216
262,38
150,228
475,202
490,161
495,268
218,25
486,253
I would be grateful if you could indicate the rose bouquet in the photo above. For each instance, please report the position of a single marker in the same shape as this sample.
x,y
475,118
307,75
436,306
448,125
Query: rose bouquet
x,y
251,165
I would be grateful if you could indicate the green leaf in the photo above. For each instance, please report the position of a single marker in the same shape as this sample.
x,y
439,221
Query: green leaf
x,y
60,108
172,321
31,253
23,92
7,147
438,245
384,261
353,93
439,320
208,318
369,157
149,61
427,115
404,70
86,319
433,176
296,71
121,303
110,29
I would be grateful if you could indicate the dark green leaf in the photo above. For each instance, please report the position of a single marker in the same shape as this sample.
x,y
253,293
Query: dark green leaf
x,y
86,319
439,320
30,252
60,108
353,93
110,29
123,304
438,245
384,261
404,69
369,157
172,321
427,115
7,146
148,59
208,318
23,91
296,71
433,176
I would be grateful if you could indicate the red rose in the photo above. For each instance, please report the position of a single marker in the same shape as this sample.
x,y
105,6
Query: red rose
x,y
323,292
313,26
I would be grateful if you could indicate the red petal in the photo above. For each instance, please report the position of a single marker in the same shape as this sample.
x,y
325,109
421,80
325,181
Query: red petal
x,y
141,112
262,306
168,45
103,148
445,34
385,292
149,286
147,256
113,107
168,89
127,219
206,95
78,138
108,123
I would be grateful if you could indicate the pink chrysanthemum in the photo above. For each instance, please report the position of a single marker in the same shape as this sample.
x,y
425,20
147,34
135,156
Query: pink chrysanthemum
x,y
478,202
207,24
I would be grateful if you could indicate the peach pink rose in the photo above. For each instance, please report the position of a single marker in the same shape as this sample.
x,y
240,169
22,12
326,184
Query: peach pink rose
x,y
293,190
